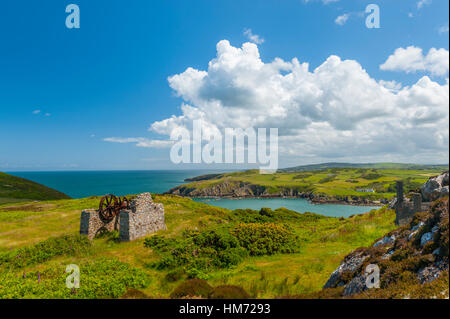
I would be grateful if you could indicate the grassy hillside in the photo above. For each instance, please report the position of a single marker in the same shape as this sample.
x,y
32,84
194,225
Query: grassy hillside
x,y
16,189
322,166
334,183
412,265
268,253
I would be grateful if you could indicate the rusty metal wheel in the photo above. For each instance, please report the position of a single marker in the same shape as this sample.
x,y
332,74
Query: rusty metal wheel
x,y
122,202
107,207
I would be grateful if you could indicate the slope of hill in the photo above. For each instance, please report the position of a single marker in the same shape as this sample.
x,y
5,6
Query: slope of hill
x,y
16,189
412,260
209,251
342,185
38,241
323,166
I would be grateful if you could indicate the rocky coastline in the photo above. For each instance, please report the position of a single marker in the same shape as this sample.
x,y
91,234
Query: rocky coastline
x,y
242,190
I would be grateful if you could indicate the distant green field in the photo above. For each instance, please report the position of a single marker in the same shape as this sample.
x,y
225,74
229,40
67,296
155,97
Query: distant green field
x,y
364,165
374,184
15,189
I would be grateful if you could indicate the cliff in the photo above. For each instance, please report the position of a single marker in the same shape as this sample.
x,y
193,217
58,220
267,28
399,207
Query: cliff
x,y
334,185
241,189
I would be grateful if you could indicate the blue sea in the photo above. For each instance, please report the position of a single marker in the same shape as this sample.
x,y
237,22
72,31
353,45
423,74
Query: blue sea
x,y
79,184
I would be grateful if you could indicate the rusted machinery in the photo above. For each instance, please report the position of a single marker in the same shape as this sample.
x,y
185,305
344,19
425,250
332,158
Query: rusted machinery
x,y
110,206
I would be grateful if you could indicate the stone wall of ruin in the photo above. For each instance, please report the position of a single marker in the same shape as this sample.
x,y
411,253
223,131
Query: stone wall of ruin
x,y
142,218
91,224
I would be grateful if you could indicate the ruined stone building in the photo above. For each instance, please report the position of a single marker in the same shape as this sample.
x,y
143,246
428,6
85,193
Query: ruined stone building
x,y
143,217
406,207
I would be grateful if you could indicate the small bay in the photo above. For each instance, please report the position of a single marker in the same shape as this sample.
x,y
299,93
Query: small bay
x,y
79,184
298,204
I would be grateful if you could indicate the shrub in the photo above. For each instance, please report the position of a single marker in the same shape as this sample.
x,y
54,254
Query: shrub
x,y
252,216
104,278
228,292
266,212
215,240
266,239
194,273
158,242
232,256
191,288
45,250
174,275
198,251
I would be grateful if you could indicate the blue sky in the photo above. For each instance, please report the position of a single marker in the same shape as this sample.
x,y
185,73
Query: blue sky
x,y
110,77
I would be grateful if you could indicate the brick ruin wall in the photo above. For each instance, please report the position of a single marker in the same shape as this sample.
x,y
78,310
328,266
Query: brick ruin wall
x,y
142,218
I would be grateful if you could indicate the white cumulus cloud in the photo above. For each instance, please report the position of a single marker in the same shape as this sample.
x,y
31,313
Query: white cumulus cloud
x,y
336,111
412,59
253,37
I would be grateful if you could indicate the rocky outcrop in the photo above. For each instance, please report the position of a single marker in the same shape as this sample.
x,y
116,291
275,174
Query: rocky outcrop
x,y
237,189
222,189
436,187
414,254
350,265
406,206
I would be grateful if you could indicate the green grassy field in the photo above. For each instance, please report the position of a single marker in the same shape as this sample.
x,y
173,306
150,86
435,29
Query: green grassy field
x,y
35,249
386,165
331,182
15,189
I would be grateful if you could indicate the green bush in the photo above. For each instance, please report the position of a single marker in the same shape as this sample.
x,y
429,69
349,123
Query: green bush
x,y
266,239
228,292
213,239
174,275
197,251
232,256
159,242
266,212
253,216
45,250
105,278
191,288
